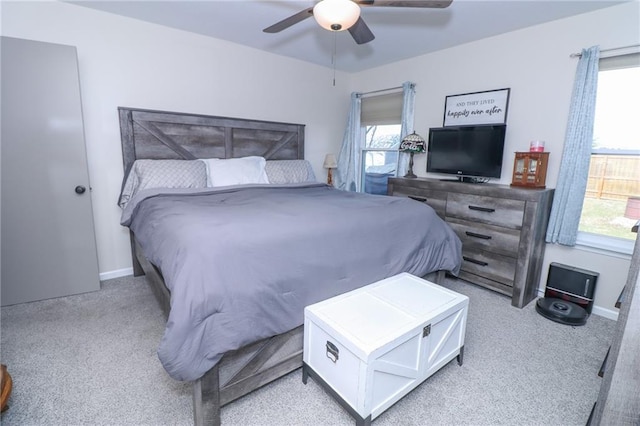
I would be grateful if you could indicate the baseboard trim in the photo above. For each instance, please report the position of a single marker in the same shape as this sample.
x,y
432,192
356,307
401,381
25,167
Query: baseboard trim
x,y
606,313
597,310
115,274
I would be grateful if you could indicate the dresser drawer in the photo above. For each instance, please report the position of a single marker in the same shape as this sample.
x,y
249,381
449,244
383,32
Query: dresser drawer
x,y
486,237
436,199
489,265
491,210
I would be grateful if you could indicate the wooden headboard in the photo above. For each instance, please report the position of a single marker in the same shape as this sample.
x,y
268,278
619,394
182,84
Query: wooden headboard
x,y
148,134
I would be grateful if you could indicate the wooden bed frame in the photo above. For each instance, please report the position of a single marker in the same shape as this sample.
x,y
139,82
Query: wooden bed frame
x,y
148,134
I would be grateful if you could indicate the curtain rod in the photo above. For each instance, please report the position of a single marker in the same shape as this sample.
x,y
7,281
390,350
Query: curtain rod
x,y
375,92
577,55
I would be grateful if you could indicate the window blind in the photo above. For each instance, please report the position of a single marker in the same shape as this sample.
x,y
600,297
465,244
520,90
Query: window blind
x,y
381,109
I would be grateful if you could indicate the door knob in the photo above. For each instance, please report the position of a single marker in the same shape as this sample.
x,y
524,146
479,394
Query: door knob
x,y
80,189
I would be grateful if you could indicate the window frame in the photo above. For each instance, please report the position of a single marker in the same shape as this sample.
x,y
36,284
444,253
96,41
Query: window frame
x,y
599,242
605,244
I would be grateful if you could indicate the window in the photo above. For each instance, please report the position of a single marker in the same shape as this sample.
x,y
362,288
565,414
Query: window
x,y
612,201
381,121
379,157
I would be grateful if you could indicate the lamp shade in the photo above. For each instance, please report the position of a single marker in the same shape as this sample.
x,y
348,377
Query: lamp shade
x,y
336,15
413,143
330,161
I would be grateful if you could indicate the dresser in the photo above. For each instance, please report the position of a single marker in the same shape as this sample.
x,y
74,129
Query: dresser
x,y
502,229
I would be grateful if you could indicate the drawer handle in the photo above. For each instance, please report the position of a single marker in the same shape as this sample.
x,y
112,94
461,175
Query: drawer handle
x,y
477,262
482,209
422,200
332,351
473,234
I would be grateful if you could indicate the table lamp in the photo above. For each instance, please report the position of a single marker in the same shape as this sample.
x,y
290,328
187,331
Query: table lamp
x,y
413,144
330,163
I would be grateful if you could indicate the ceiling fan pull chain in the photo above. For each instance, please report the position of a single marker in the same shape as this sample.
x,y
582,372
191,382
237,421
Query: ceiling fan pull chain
x,y
333,58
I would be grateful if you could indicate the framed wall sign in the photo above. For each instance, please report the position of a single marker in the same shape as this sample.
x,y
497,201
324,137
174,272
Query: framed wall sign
x,y
488,107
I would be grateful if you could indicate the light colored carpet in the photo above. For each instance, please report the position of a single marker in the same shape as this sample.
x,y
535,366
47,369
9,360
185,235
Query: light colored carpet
x,y
91,360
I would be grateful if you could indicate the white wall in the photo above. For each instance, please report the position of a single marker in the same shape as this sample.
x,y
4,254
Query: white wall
x,y
125,62
535,64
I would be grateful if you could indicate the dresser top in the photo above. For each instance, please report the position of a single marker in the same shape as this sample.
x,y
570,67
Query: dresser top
x,y
485,189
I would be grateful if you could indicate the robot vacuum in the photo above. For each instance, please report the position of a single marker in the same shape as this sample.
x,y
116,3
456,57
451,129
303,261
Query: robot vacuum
x,y
561,311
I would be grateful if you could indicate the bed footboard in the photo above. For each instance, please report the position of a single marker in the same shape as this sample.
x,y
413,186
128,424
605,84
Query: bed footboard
x,y
242,371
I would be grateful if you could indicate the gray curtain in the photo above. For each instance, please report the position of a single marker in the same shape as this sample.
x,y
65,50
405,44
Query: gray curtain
x,y
408,106
348,170
574,165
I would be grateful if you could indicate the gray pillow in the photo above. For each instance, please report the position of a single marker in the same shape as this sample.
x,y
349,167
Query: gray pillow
x,y
146,174
289,171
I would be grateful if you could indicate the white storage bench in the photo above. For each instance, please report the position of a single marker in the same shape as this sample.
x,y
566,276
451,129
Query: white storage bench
x,y
370,347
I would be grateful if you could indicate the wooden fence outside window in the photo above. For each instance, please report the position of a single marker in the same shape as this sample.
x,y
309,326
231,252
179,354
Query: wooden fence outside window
x,y
614,177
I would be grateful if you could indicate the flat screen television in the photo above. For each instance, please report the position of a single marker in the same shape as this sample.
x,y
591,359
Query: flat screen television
x,y
466,151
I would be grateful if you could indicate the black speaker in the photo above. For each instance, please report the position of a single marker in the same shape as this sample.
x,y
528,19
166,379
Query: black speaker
x,y
568,298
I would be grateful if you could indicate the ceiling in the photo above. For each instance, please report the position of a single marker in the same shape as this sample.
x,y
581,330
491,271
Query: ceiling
x,y
400,32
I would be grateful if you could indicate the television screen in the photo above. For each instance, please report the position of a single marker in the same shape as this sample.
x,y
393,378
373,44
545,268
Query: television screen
x,y
474,151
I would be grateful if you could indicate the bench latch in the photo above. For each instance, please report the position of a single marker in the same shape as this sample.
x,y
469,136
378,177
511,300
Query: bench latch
x,y
332,351
426,330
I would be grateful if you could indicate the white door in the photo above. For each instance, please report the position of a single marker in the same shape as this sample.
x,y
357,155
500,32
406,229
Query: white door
x,y
48,241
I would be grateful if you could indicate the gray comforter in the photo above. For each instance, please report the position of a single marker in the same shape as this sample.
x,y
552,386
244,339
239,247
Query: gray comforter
x,y
242,262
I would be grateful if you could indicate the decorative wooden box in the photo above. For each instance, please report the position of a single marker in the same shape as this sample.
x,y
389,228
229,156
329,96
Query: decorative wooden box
x,y
370,347
530,169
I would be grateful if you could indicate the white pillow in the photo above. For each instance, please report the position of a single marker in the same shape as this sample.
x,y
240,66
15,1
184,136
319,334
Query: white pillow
x,y
235,171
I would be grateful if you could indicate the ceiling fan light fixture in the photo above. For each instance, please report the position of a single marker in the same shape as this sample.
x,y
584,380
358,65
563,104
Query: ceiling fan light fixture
x,y
336,15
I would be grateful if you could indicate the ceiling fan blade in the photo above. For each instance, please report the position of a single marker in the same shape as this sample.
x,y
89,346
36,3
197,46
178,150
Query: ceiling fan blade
x,y
436,4
361,32
291,20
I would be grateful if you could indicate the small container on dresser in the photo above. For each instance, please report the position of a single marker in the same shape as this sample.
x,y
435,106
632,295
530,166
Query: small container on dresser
x,y
530,169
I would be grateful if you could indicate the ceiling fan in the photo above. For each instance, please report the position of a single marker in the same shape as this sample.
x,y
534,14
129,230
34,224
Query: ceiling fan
x,y
340,15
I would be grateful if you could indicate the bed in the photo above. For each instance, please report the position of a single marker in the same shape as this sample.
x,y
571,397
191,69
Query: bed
x,y
234,262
